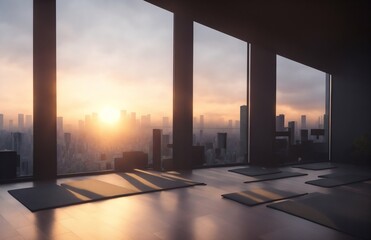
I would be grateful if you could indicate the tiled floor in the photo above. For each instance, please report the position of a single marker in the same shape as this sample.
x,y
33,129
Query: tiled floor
x,y
197,212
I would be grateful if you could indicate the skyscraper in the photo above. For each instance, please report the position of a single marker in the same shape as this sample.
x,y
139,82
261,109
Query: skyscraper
x,y
17,142
157,135
280,122
291,126
20,122
221,145
243,131
201,122
303,122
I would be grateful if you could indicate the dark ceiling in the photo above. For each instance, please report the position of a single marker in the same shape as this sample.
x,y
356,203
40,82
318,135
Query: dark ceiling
x,y
328,35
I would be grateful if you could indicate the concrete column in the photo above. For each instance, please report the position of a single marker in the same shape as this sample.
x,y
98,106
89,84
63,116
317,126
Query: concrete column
x,y
262,106
182,92
351,118
44,89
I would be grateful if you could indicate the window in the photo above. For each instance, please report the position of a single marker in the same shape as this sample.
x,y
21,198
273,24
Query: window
x,y
16,102
219,98
114,77
302,114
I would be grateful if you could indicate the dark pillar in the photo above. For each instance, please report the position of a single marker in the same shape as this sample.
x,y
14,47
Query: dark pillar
x,y
351,118
262,106
157,134
44,89
182,92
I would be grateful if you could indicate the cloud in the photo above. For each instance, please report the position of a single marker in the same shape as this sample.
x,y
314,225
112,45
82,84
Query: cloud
x,y
120,51
220,75
300,87
16,32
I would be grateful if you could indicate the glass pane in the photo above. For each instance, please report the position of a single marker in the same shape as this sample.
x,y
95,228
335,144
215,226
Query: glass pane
x,y
219,98
302,118
16,106
114,81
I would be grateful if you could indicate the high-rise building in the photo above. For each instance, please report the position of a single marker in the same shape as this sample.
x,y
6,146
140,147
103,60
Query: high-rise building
x,y
303,122
280,123
20,122
222,140
1,122
157,135
202,122
243,131
17,142
221,149
304,137
291,127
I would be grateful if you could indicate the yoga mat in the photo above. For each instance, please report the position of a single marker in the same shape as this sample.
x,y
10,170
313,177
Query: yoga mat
x,y
46,197
338,180
348,213
96,190
275,176
144,181
260,196
255,171
316,166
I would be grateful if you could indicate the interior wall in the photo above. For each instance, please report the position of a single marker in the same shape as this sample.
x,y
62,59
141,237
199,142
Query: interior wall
x,y
351,117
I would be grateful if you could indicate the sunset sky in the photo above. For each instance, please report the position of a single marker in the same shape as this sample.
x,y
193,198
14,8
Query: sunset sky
x,y
118,54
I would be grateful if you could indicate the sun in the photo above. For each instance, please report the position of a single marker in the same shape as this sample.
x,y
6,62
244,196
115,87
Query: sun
x,y
109,115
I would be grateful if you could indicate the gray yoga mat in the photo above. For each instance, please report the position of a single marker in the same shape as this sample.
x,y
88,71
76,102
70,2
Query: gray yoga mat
x,y
255,171
261,195
348,213
145,181
339,180
275,176
45,197
316,166
96,190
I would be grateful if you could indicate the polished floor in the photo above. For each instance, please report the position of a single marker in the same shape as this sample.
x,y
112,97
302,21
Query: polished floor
x,y
197,212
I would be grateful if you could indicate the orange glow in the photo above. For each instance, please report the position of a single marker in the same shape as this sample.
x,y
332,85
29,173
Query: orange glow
x,y
109,115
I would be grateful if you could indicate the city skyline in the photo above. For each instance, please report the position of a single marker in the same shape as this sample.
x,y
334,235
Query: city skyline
x,y
24,121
